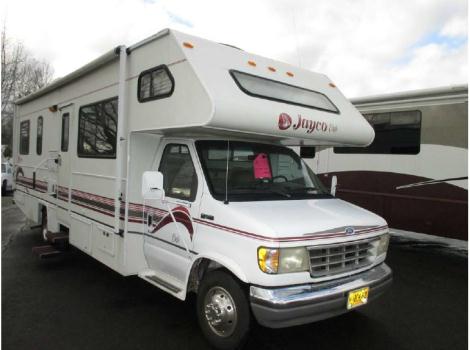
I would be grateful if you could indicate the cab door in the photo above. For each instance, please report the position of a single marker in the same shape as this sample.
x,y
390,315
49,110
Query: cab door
x,y
169,229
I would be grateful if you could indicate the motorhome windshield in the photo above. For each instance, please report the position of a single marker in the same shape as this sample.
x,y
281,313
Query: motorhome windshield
x,y
257,172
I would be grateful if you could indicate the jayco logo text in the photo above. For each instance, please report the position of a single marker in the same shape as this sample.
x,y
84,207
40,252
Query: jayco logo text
x,y
285,122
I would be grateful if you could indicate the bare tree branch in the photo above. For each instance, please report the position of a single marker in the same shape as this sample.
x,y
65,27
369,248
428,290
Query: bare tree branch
x,y
22,74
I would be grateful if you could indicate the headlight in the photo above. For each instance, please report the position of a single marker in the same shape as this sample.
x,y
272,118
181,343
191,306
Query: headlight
x,y
383,244
284,260
293,260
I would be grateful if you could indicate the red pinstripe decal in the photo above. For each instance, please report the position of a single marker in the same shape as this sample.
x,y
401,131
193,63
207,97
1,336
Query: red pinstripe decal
x,y
63,192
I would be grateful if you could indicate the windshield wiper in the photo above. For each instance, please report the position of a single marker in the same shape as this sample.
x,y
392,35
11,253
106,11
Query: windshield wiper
x,y
282,193
263,189
305,189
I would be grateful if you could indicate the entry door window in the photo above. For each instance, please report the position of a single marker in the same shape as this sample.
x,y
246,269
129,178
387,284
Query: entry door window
x,y
179,175
64,144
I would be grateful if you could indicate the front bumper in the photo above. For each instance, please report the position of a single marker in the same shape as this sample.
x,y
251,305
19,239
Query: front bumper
x,y
290,306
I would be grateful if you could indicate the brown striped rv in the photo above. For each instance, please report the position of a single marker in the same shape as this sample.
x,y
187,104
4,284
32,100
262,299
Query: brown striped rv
x,y
414,174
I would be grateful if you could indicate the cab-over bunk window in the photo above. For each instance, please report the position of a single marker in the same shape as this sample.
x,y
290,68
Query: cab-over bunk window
x,y
24,137
97,129
273,90
155,83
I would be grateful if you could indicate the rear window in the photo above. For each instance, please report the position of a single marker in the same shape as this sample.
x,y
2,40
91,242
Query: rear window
x,y
276,91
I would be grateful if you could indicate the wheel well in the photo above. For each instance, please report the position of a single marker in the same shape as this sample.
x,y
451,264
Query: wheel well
x,y
200,268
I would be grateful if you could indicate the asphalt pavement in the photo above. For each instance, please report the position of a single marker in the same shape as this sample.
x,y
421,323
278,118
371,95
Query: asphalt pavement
x,y
77,303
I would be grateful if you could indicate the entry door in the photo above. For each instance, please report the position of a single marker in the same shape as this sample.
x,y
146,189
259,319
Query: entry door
x,y
169,229
63,162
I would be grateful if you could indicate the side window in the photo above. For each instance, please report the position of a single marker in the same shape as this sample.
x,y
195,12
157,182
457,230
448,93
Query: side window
x,y
395,133
155,83
179,175
64,143
24,137
97,127
40,128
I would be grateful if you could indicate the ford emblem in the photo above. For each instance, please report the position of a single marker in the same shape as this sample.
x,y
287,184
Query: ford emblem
x,y
349,230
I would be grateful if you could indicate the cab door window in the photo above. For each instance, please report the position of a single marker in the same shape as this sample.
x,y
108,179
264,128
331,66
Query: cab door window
x,y
179,174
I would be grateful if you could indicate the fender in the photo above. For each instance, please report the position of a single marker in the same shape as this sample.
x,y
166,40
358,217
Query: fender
x,y
229,264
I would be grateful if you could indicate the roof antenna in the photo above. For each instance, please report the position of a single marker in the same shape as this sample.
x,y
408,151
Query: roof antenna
x,y
226,173
297,46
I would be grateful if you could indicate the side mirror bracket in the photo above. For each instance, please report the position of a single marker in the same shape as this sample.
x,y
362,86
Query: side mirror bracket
x,y
334,184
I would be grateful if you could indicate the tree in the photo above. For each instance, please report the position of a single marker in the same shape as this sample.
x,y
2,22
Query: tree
x,y
22,74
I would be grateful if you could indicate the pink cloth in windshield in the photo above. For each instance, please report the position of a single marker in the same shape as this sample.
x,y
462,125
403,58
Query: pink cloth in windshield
x,y
261,167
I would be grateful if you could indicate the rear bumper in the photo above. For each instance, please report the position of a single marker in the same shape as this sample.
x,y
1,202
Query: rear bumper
x,y
290,306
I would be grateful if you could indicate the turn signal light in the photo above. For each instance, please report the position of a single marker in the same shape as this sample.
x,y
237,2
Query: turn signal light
x,y
268,259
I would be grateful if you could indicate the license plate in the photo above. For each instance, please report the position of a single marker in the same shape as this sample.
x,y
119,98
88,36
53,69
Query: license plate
x,y
357,297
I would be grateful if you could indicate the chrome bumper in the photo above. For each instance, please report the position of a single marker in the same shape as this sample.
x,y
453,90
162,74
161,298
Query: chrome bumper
x,y
290,306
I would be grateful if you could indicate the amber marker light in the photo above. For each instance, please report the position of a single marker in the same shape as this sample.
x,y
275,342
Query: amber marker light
x,y
272,69
252,63
268,259
188,45
290,74
332,85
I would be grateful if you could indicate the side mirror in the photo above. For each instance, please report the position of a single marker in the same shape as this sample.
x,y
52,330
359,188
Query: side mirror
x,y
152,185
334,183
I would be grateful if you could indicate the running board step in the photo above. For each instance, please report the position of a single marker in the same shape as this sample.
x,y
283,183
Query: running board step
x,y
57,237
153,279
46,251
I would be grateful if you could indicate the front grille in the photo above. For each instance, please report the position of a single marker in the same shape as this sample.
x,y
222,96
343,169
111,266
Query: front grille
x,y
335,259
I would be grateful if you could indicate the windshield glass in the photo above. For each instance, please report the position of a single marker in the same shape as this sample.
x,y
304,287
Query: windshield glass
x,y
257,172
4,168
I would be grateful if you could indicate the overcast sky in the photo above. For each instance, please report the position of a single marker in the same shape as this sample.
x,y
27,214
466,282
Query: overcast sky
x,y
365,46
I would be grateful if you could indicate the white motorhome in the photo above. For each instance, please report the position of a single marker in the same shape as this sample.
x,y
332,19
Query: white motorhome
x,y
168,160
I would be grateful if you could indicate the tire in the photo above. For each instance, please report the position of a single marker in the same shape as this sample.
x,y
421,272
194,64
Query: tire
x,y
44,224
222,298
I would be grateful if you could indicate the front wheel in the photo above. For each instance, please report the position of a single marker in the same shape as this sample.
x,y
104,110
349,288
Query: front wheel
x,y
223,311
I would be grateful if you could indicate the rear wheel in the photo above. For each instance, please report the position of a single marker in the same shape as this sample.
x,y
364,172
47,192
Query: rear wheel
x,y
223,311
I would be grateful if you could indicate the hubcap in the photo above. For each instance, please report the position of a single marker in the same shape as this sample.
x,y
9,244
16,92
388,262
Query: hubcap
x,y
220,311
